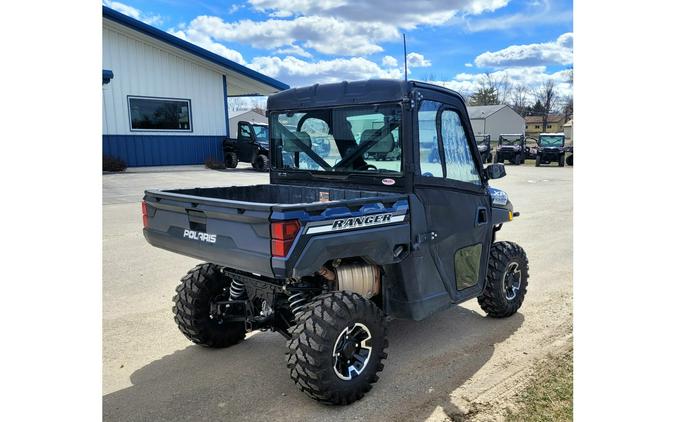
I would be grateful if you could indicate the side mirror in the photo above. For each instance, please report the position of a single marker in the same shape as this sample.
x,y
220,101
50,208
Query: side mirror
x,y
495,171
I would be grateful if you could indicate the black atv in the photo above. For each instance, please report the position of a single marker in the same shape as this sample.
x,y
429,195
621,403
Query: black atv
x,y
551,149
511,147
251,145
326,254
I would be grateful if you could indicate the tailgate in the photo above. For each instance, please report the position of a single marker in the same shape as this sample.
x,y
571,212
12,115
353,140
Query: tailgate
x,y
233,234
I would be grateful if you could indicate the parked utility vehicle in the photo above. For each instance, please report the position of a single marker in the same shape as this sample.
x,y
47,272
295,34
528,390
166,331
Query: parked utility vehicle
x,y
551,149
511,147
250,146
484,148
326,254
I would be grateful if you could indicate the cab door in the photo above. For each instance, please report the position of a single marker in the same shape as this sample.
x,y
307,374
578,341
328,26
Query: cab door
x,y
454,194
245,143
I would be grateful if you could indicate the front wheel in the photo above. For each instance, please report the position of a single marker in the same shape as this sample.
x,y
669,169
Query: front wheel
x,y
261,163
537,163
337,347
506,281
561,161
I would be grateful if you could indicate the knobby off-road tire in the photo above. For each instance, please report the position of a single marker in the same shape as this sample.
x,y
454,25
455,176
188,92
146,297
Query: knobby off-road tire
x,y
502,296
192,308
317,337
231,160
261,163
561,161
537,163
569,160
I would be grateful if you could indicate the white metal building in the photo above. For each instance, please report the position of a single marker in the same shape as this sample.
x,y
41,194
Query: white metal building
x,y
164,99
494,120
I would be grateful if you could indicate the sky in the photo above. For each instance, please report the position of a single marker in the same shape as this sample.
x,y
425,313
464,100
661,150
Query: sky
x,y
450,42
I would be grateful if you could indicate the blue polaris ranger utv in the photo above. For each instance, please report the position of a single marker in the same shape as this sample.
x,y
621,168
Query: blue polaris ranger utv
x,y
336,244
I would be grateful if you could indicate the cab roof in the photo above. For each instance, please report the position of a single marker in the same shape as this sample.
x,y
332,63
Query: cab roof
x,y
346,93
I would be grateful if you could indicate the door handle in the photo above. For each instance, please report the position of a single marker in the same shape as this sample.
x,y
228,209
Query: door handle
x,y
481,216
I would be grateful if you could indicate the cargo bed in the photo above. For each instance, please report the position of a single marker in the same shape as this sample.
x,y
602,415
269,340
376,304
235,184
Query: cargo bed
x,y
230,226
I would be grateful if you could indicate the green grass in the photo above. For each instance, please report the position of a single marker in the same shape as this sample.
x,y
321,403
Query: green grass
x,y
548,396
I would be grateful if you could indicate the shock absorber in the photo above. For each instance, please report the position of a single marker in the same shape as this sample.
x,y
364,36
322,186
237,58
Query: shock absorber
x,y
237,289
296,302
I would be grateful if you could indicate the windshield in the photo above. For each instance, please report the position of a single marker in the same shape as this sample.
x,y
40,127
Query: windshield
x,y
343,139
508,141
551,141
261,133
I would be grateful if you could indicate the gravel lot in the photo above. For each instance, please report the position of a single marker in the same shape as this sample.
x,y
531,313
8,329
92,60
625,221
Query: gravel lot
x,y
457,362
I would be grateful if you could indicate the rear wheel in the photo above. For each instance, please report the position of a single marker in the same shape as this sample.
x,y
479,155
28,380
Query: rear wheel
x,y
337,347
569,160
538,161
261,163
192,311
231,160
506,281
561,160
517,160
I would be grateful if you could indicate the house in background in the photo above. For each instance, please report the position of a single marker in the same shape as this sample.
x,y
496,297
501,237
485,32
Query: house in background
x,y
252,116
568,129
165,99
534,125
494,120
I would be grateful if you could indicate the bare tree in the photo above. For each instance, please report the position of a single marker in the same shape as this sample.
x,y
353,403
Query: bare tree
x,y
547,96
519,99
492,90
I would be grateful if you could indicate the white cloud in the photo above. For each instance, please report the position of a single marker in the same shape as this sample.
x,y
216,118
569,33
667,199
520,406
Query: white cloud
x,y
558,52
531,77
297,72
417,60
389,61
468,64
400,13
206,42
294,50
324,34
133,12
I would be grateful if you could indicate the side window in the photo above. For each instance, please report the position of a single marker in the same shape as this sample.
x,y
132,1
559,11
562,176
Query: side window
x,y
459,164
430,160
244,132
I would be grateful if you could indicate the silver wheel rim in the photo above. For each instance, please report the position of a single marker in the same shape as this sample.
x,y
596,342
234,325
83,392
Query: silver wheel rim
x,y
511,281
351,352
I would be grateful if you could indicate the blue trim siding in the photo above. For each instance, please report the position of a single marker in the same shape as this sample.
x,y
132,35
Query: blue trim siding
x,y
163,150
227,112
158,34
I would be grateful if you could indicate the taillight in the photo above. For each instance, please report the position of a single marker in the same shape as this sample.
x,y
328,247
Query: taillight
x,y
283,235
144,208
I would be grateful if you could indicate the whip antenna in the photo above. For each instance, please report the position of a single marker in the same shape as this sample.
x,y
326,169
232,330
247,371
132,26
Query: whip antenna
x,y
405,58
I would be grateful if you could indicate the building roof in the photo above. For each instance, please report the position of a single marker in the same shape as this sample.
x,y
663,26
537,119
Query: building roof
x,y
232,114
174,41
552,118
481,112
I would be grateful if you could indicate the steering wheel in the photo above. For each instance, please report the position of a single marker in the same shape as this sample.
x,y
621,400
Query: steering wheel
x,y
370,167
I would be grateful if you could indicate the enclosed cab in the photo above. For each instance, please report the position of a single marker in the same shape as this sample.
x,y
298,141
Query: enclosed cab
x,y
551,149
338,241
250,146
511,147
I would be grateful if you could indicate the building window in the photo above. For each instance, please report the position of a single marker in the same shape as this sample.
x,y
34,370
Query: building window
x,y
536,126
548,126
159,114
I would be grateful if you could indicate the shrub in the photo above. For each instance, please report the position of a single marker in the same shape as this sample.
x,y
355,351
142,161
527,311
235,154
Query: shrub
x,y
111,163
214,164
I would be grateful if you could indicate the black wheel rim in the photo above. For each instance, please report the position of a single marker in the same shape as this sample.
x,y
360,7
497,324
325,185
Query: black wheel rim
x,y
511,281
351,352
